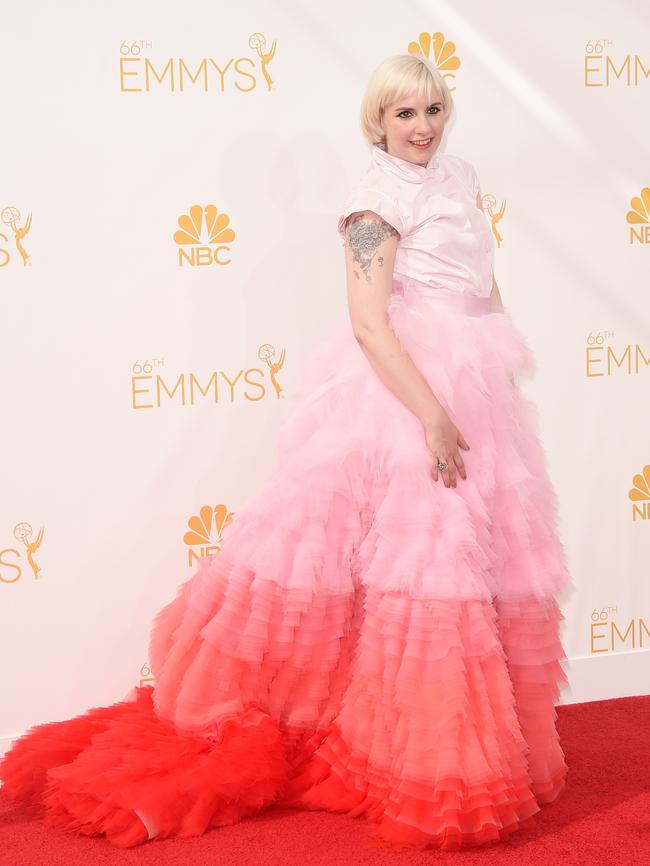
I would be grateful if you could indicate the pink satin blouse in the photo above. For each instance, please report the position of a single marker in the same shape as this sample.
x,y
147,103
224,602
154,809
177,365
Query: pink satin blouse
x,y
445,239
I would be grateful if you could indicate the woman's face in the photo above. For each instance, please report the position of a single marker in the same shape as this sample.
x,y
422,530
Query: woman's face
x,y
414,120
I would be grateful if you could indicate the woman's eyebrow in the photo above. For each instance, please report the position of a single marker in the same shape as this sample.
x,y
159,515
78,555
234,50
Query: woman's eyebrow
x,y
408,108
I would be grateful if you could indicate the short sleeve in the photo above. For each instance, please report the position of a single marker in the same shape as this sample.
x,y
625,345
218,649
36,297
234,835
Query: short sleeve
x,y
376,200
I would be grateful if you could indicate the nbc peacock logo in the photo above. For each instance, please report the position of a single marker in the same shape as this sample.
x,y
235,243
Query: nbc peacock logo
x,y
639,494
11,218
442,53
638,217
205,531
204,236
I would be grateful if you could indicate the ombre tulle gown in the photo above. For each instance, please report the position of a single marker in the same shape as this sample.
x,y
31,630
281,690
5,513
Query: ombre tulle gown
x,y
367,641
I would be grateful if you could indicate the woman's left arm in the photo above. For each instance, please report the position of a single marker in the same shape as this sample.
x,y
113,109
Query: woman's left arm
x,y
496,301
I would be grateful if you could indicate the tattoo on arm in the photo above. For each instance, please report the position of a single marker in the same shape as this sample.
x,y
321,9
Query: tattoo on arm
x,y
365,235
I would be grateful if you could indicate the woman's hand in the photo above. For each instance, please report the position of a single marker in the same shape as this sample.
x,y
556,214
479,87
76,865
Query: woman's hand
x,y
444,439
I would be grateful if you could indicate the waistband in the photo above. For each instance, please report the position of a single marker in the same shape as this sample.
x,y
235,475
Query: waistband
x,y
465,302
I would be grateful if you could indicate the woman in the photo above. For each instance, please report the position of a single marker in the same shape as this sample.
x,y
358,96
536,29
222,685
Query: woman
x,y
379,633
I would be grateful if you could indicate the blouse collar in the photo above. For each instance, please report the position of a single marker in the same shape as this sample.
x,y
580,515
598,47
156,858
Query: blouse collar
x,y
410,171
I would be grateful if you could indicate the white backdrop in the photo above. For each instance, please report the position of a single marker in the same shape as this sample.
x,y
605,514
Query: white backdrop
x,y
113,436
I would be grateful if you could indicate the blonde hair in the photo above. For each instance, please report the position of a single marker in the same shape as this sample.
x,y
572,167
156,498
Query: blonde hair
x,y
395,78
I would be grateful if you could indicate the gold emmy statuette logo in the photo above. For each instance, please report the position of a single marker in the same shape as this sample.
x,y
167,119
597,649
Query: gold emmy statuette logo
x,y
257,41
146,675
22,532
11,217
444,53
139,73
209,520
602,70
490,208
265,353
639,217
203,236
640,493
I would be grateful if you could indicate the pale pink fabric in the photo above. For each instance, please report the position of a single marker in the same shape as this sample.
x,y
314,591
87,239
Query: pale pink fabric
x,y
445,239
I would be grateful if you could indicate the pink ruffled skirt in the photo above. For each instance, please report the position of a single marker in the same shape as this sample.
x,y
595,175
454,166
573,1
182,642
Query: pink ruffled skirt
x,y
367,640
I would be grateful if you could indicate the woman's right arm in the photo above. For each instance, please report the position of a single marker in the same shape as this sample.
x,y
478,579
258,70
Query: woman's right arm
x,y
370,249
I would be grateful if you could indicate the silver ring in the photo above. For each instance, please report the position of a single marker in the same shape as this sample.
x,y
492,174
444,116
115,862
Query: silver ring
x,y
442,464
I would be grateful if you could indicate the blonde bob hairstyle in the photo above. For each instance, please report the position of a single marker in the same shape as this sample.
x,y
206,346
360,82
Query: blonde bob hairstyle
x,y
395,78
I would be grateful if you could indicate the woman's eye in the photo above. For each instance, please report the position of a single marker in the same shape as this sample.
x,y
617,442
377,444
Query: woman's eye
x,y
435,107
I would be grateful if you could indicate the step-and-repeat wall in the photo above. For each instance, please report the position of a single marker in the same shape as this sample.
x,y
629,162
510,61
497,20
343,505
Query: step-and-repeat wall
x,y
171,177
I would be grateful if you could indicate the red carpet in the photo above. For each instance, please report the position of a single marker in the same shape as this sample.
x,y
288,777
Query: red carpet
x,y
602,816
